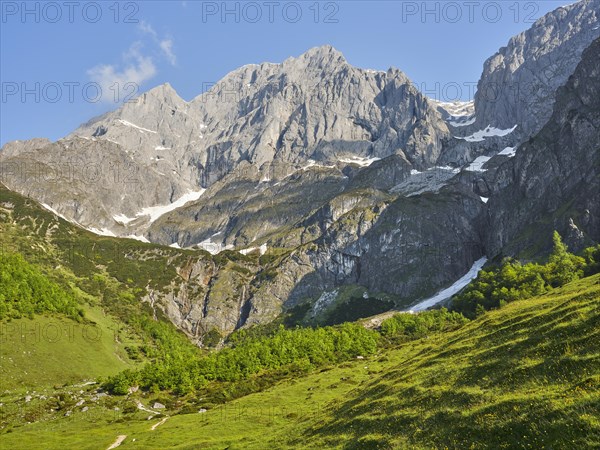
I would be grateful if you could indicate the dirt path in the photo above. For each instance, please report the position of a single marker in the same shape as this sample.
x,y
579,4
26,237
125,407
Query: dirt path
x,y
118,441
375,321
158,424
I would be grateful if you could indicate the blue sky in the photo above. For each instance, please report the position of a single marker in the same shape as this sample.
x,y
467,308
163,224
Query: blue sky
x,y
55,55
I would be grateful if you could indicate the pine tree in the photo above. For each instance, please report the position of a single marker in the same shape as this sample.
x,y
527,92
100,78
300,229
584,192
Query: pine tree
x,y
564,266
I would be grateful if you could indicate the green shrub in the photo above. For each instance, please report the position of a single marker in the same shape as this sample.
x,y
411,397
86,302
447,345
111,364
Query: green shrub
x,y
411,326
513,280
25,290
289,350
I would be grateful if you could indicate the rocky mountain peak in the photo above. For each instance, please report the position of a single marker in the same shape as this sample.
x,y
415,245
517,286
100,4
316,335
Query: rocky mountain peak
x,y
164,92
161,94
519,79
322,56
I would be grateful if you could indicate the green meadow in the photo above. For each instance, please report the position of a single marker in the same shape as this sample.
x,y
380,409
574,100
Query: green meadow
x,y
522,376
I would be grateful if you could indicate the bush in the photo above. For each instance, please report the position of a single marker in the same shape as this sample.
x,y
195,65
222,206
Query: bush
x,y
25,290
512,280
296,350
563,267
591,256
411,326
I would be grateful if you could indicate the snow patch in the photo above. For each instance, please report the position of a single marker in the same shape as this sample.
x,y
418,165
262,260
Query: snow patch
x,y
123,219
489,131
160,147
359,160
157,211
456,109
129,124
313,163
450,291
174,245
470,121
509,151
477,165
484,199
262,250
55,212
452,169
431,180
212,247
138,238
102,232
99,232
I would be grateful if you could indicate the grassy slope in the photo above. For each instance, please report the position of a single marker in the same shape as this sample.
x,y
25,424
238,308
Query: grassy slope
x,y
50,350
524,376
53,349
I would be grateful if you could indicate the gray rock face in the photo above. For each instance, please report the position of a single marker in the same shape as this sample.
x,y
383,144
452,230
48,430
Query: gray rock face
x,y
318,107
552,183
158,130
404,247
87,180
518,83
15,147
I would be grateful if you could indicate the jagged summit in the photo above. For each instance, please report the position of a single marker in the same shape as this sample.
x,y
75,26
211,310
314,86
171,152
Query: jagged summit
x,y
532,66
164,91
321,56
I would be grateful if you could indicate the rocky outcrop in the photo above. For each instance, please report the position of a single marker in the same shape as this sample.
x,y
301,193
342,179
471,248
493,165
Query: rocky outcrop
x,y
552,182
87,181
319,107
518,83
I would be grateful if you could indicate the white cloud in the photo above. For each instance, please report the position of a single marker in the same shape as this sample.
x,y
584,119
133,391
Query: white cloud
x,y
136,69
166,46
146,28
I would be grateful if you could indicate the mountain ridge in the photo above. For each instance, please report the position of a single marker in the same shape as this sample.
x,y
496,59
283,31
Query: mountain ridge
x,y
356,177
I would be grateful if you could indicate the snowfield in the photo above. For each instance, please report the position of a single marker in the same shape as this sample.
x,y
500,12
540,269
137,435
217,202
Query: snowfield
x,y
157,211
509,151
477,164
132,125
470,121
489,131
450,291
358,160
